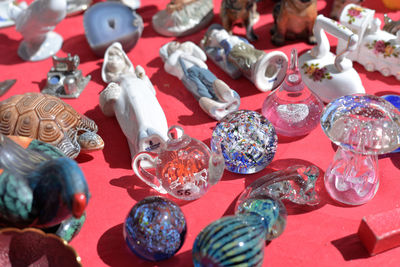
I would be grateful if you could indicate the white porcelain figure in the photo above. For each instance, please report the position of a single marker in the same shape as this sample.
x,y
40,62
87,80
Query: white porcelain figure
x,y
35,23
131,98
328,75
376,49
236,56
186,61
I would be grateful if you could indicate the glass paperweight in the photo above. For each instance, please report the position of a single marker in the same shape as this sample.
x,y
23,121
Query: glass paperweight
x,y
185,168
248,141
363,126
155,228
293,109
231,241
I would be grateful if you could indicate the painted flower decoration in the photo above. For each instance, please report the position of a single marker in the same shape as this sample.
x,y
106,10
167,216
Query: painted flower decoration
x,y
316,73
384,48
353,13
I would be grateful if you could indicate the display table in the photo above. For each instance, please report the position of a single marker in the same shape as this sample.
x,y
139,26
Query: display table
x,y
324,235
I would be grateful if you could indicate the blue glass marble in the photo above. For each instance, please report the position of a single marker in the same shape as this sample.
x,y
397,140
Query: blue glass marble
x,y
155,228
249,141
109,22
231,241
395,101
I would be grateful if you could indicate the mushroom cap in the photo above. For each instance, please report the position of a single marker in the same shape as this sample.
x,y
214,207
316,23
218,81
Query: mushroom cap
x,y
362,123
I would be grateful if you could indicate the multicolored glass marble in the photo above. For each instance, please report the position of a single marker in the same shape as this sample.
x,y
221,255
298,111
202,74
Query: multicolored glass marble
x,y
248,141
186,61
395,101
36,23
109,22
375,49
185,167
46,188
330,76
183,17
64,80
363,126
237,57
293,109
131,98
155,228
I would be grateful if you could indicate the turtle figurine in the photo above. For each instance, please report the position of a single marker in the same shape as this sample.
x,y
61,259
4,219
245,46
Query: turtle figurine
x,y
51,120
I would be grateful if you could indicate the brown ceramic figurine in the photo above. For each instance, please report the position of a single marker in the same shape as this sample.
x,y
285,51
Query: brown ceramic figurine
x,y
240,10
294,19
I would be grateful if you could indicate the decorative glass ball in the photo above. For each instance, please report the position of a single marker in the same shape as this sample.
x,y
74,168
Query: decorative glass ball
x,y
155,228
248,141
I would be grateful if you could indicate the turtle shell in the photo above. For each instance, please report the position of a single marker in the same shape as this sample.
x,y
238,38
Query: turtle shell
x,y
43,117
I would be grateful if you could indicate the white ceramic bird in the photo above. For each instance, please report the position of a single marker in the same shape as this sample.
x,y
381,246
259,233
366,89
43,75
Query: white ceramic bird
x,y
35,23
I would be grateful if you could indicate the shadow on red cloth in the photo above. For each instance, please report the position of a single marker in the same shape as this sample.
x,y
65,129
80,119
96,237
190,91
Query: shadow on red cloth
x,y
114,252
350,247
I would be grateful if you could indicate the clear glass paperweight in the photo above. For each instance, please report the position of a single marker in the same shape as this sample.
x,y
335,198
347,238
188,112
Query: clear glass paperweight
x,y
248,141
363,126
292,108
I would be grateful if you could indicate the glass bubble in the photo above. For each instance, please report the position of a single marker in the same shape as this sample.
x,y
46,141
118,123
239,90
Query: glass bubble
x,y
248,141
155,228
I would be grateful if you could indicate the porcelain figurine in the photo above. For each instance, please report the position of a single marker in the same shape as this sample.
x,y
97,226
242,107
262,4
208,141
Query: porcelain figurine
x,y
244,11
5,20
292,108
183,17
64,80
50,120
236,57
6,85
74,7
36,24
293,20
375,49
338,5
186,61
185,167
363,126
155,228
41,187
131,98
109,22
330,76
248,141
391,26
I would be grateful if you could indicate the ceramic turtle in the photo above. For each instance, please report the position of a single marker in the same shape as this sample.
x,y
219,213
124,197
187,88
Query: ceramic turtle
x,y
51,120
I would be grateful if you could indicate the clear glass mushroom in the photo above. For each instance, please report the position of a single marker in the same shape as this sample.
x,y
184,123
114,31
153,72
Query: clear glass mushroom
x,y
363,126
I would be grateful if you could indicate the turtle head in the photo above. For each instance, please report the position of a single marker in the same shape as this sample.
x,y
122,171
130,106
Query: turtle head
x,y
90,141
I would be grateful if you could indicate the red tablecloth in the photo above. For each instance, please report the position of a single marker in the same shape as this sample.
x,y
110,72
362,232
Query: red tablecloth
x,y
321,236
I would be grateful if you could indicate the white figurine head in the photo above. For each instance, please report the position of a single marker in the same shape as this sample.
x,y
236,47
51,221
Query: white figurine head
x,y
116,63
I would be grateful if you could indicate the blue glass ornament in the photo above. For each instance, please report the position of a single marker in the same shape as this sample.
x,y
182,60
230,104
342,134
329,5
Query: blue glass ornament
x,y
155,228
248,142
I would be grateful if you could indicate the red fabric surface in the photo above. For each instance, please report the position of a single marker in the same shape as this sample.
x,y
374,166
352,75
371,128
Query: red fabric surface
x,y
321,236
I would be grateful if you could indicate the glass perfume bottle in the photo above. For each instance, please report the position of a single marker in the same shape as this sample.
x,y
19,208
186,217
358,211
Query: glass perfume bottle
x,y
293,109
363,126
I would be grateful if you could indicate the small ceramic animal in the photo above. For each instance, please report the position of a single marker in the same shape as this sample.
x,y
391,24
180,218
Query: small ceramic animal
x,y
50,120
35,23
294,19
338,5
240,10
391,26
40,187
131,98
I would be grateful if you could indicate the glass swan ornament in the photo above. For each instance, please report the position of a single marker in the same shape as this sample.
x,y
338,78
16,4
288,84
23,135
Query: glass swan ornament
x,y
292,108
185,167
41,187
260,215
363,126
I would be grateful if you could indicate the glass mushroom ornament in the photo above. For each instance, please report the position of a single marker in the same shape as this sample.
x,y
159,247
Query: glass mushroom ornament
x,y
363,126
185,167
